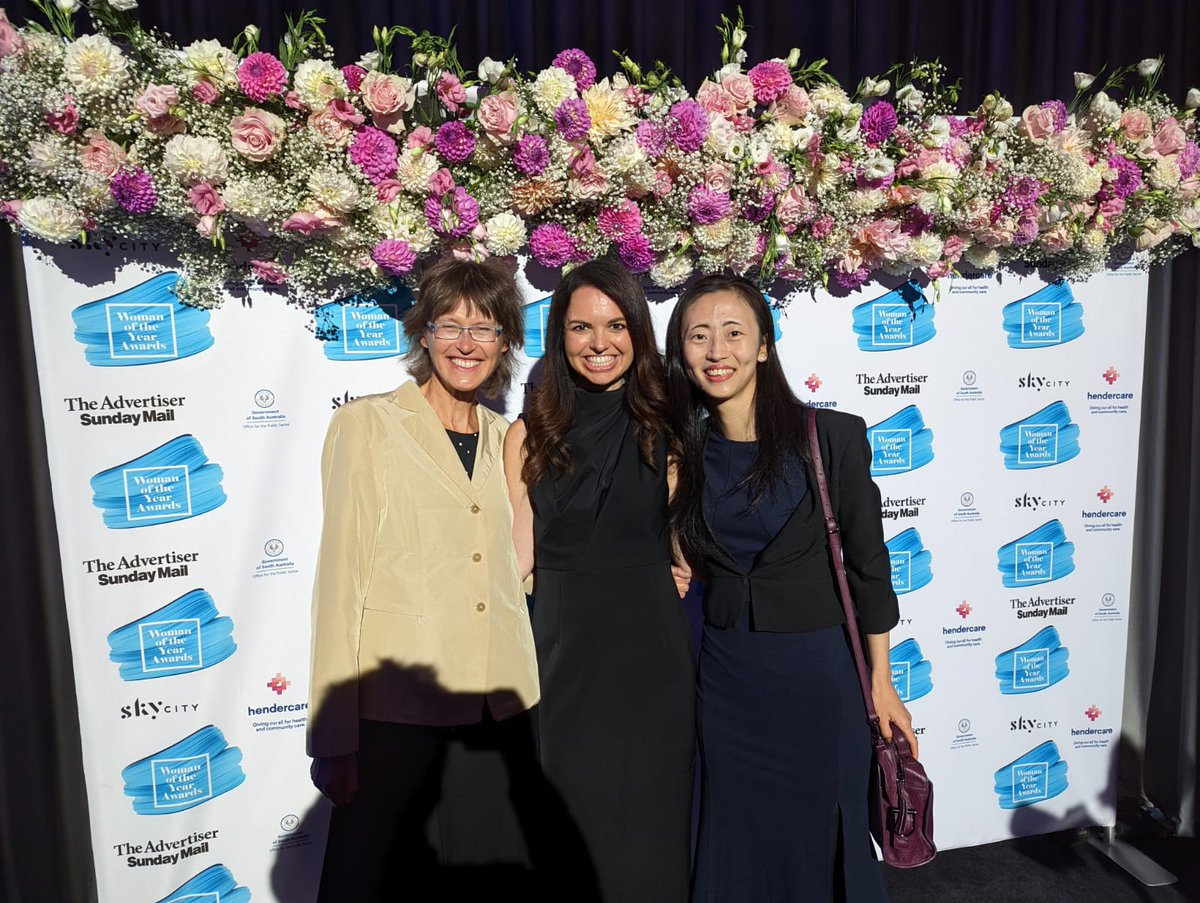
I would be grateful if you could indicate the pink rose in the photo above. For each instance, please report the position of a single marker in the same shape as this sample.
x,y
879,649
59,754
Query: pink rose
x,y
306,223
741,89
165,126
1135,124
100,155
388,190
206,92
206,226
256,134
10,38
331,129
267,271
953,248
386,94
1169,137
714,99
451,92
292,99
205,199
420,137
1037,123
66,120
718,177
498,115
441,182
1056,238
793,206
156,100
583,163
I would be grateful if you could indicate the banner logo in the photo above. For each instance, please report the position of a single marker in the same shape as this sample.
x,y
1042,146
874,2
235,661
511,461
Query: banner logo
x,y
200,767
900,443
364,327
910,562
172,482
1040,556
1050,316
535,327
213,885
185,635
912,674
1039,775
1042,439
146,324
1038,663
900,319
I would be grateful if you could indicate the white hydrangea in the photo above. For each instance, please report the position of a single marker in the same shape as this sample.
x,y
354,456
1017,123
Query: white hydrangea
x,y
414,169
671,271
191,160
982,257
94,66
51,219
505,233
210,59
317,82
333,190
551,87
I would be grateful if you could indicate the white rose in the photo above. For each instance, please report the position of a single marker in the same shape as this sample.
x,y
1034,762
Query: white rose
x,y
123,6
877,166
1148,66
671,271
490,71
1192,101
721,134
191,160
909,97
317,82
67,6
369,60
505,233
209,58
726,70
1083,81
93,65
802,138
1105,108
334,190
51,219
760,150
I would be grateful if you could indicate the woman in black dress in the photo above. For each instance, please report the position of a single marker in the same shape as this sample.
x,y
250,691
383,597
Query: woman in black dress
x,y
784,740
587,470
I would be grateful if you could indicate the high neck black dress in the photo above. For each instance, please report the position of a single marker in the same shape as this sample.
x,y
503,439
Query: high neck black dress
x,y
616,720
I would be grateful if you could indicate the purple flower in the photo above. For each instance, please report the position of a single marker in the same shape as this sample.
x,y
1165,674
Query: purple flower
x,y
852,280
958,126
916,221
1188,160
1059,109
1027,229
706,206
878,122
1022,193
551,245
652,138
374,152
394,257
757,208
455,215
454,141
531,155
572,118
1129,176
688,125
578,65
636,254
133,190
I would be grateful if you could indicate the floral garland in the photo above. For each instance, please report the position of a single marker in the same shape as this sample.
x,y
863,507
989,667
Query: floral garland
x,y
287,170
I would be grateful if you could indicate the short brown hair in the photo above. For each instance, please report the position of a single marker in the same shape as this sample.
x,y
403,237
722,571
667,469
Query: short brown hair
x,y
489,288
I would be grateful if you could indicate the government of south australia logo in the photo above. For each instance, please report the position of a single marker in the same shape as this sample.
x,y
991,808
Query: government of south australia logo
x,y
172,482
1050,316
185,635
146,324
911,562
1040,556
215,884
912,674
364,327
1043,439
1038,663
198,768
1039,775
900,319
900,443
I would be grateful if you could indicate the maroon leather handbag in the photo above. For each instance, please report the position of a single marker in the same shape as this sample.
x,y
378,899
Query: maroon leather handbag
x,y
900,798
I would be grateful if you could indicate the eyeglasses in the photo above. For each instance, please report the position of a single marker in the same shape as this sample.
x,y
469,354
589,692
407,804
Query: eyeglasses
x,y
451,332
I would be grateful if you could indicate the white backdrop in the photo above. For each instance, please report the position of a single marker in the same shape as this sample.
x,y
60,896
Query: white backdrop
x,y
184,453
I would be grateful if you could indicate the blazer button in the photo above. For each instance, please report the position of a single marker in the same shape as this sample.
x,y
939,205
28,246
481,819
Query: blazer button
x,y
477,557
480,606
474,509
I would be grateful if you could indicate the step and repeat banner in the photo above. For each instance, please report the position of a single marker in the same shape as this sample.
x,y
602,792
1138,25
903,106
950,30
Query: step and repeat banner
x,y
184,448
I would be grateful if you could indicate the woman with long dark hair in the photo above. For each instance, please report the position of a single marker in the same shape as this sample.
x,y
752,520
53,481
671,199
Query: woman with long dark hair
x,y
784,739
587,470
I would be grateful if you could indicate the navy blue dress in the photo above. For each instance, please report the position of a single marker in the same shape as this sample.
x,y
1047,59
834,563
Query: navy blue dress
x,y
784,740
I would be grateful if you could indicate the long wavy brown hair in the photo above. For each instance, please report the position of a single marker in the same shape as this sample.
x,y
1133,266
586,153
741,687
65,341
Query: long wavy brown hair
x,y
551,409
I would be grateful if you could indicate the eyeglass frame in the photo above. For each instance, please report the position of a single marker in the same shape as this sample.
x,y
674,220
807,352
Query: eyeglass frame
x,y
492,335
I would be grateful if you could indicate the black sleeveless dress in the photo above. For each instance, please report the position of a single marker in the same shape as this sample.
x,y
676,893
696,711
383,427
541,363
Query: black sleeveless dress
x,y
616,720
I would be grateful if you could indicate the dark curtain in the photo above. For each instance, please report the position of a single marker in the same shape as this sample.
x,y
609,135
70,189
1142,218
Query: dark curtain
x,y
1027,49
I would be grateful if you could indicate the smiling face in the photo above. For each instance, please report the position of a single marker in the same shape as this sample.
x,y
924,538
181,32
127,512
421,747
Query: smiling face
x,y
462,365
722,348
596,339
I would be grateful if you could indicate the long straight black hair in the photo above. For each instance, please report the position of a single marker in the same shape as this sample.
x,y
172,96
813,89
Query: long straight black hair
x,y
778,417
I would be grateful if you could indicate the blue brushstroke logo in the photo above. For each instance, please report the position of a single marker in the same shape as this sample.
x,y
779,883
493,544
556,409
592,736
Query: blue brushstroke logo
x,y
185,635
1038,663
146,324
536,314
1037,557
912,675
900,444
900,319
910,562
215,884
173,482
365,327
1050,316
1043,439
776,317
198,768
1036,776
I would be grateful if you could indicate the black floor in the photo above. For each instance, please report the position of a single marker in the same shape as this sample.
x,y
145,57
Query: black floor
x,y
1054,867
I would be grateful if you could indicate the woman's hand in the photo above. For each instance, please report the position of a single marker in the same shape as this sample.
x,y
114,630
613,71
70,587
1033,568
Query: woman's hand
x,y
682,575
336,777
892,713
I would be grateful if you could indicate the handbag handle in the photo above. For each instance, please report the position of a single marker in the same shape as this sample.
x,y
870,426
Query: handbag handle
x,y
839,567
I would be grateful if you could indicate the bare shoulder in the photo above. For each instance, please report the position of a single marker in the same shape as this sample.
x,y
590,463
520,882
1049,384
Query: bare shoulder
x,y
514,439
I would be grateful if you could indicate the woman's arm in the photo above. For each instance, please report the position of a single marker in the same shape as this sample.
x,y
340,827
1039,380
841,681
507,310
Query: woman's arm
x,y
888,706
518,496
681,571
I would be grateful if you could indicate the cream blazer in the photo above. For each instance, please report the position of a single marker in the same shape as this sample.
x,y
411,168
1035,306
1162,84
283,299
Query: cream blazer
x,y
418,609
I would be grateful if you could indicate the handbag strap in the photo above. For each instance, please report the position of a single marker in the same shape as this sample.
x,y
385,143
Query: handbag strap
x,y
839,566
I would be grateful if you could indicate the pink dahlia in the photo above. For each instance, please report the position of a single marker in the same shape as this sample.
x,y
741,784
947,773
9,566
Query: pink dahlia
x,y
551,245
688,125
652,138
261,76
456,214
636,254
374,152
706,206
394,257
354,76
578,65
621,222
133,190
532,155
771,80
572,118
454,141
